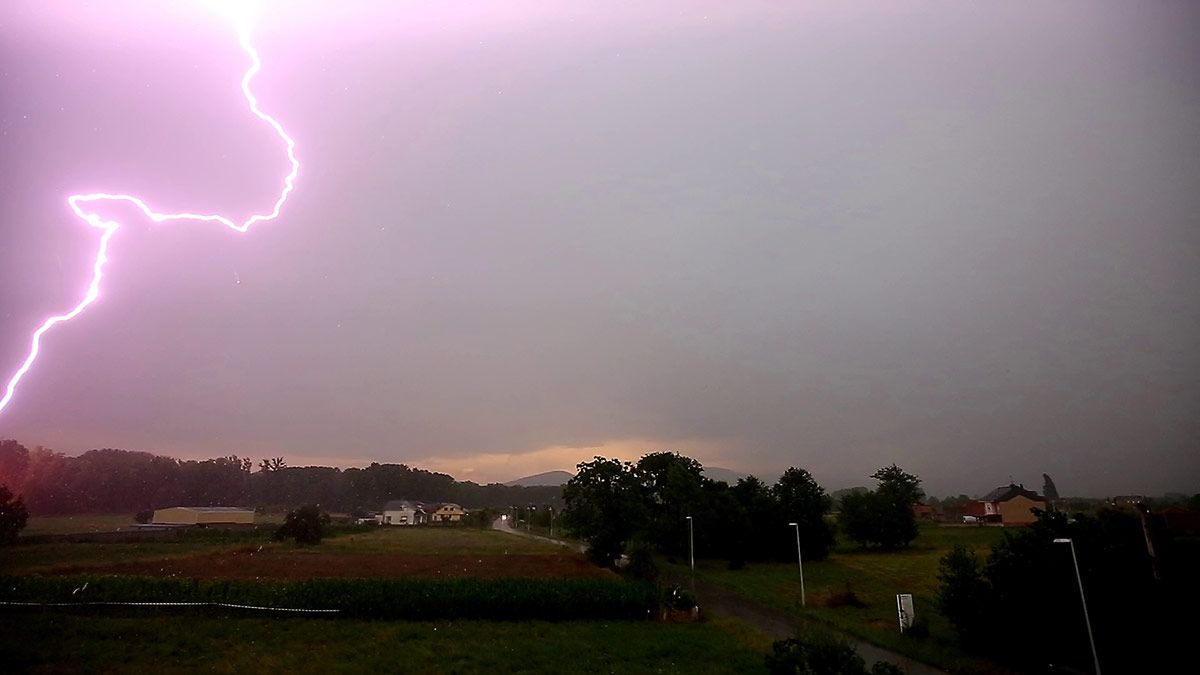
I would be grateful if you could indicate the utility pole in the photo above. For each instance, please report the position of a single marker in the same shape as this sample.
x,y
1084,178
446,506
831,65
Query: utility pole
x,y
800,562
1086,619
692,554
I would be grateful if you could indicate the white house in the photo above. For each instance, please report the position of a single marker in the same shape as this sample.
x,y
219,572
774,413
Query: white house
x,y
404,512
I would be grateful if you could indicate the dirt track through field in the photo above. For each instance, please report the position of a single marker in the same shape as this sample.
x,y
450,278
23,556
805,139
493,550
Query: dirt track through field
x,y
296,565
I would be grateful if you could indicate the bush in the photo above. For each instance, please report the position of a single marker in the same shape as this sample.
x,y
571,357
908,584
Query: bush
x,y
478,518
846,598
641,562
822,655
964,594
143,517
675,597
393,599
306,525
814,657
919,630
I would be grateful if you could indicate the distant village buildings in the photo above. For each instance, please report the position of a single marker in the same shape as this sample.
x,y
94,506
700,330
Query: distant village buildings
x,y
1009,505
409,512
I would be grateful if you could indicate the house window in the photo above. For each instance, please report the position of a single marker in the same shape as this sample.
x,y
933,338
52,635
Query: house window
x,y
404,519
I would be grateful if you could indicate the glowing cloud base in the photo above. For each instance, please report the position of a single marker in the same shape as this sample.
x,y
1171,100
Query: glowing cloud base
x,y
81,204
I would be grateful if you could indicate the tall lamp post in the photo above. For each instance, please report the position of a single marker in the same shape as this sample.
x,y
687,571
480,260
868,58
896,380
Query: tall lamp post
x,y
529,518
1086,620
800,562
550,508
692,554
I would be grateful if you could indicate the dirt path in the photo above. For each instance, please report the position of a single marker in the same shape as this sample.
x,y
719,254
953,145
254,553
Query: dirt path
x,y
779,625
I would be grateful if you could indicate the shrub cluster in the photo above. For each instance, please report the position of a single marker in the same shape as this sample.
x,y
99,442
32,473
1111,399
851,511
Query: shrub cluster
x,y
822,655
401,599
305,525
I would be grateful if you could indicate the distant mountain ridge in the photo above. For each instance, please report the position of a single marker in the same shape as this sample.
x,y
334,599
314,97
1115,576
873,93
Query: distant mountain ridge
x,y
552,478
728,475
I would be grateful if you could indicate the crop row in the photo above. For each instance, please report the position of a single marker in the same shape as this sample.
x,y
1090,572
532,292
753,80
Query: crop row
x,y
399,599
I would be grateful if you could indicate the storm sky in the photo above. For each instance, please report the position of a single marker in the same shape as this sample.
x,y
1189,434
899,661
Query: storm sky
x,y
962,237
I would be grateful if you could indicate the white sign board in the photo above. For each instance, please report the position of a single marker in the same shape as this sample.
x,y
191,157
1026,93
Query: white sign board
x,y
904,608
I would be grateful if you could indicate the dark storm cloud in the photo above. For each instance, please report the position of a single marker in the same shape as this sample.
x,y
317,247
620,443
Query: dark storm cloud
x,y
963,238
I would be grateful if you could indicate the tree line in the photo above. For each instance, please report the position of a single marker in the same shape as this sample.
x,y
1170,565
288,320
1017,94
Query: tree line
x,y
115,481
664,502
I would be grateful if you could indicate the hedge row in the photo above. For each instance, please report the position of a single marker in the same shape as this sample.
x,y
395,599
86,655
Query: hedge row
x,y
403,599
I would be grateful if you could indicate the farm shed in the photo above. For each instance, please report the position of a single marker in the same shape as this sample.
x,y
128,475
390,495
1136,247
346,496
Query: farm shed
x,y
204,515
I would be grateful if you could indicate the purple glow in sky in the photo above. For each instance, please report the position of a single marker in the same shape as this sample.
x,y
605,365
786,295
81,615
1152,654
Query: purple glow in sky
x,y
80,203
963,237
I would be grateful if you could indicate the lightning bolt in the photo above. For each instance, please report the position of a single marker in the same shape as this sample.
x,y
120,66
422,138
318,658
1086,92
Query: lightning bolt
x,y
81,204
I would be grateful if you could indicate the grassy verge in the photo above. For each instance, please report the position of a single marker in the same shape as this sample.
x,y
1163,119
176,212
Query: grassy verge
x,y
232,644
874,578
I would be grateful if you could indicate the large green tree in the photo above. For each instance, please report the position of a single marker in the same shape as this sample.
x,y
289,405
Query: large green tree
x,y
603,506
1049,491
13,516
803,501
758,535
883,517
673,487
14,461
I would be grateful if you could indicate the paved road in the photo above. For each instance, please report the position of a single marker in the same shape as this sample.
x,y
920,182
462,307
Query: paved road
x,y
502,526
775,623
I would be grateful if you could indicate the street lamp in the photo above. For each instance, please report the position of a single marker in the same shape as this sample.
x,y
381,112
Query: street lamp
x,y
550,508
1087,621
800,562
692,554
529,518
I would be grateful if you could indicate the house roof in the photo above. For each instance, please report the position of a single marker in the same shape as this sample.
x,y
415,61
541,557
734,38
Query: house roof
x,y
1007,492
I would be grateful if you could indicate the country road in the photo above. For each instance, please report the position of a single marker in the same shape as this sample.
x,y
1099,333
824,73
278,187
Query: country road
x,y
502,526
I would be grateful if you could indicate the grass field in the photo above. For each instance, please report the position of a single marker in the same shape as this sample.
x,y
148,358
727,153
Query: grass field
x,y
437,541
875,578
77,524
232,643
375,552
225,641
